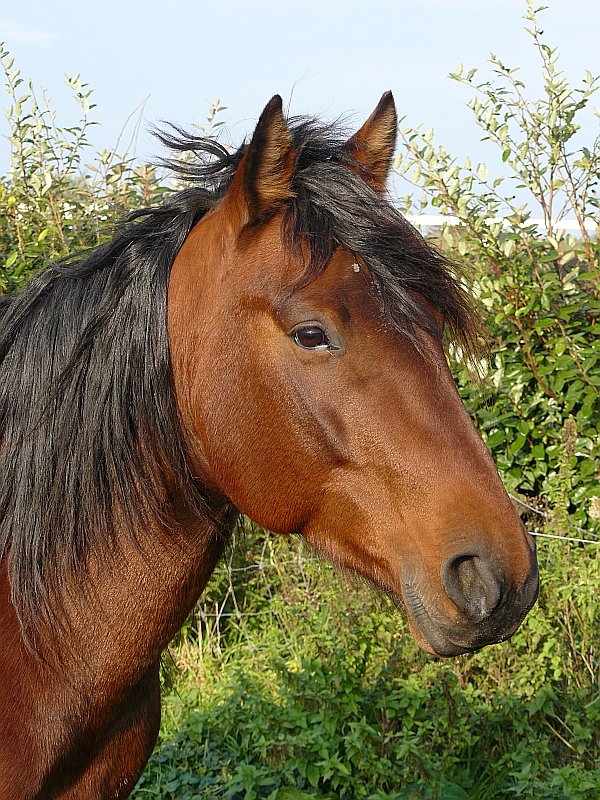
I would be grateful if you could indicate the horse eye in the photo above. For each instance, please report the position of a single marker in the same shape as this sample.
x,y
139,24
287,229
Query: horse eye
x,y
311,337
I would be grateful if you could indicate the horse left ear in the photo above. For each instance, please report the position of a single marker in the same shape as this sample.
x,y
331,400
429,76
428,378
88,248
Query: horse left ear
x,y
373,145
265,172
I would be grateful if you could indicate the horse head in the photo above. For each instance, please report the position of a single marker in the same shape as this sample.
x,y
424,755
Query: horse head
x,y
306,324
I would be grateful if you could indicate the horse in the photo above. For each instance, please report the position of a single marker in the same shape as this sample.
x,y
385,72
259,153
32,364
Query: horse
x,y
270,341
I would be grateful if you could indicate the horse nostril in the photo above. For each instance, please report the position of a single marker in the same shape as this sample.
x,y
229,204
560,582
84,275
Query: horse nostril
x,y
471,583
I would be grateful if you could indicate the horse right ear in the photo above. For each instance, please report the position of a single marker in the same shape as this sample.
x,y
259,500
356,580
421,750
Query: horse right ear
x,y
262,180
373,145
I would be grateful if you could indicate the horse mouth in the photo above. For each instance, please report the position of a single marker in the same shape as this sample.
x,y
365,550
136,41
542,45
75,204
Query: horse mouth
x,y
447,641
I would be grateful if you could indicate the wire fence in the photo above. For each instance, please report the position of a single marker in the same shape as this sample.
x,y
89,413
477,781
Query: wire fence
x,y
272,566
546,517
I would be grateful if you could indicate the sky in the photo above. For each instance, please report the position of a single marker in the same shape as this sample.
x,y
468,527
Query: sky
x,y
325,57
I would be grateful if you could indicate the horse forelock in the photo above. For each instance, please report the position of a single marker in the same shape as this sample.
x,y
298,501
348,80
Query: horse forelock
x,y
334,207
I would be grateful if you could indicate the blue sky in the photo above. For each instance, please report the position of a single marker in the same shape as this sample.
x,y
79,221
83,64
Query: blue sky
x,y
324,57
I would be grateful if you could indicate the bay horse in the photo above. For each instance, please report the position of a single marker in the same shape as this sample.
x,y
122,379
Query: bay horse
x,y
270,341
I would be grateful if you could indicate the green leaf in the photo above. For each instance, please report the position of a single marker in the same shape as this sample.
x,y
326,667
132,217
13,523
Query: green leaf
x,y
11,259
313,774
494,439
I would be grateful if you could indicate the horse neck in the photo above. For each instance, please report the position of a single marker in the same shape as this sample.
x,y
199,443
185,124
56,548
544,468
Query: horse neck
x,y
125,613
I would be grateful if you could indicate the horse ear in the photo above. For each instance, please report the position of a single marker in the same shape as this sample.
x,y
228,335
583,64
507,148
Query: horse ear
x,y
373,145
264,175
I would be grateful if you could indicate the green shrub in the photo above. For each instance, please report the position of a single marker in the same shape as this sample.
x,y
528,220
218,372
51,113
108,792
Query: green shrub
x,y
538,411
52,201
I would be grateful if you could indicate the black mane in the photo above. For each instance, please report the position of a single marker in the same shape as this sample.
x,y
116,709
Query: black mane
x,y
89,428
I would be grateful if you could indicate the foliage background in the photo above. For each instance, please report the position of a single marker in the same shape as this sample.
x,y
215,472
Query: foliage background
x,y
292,682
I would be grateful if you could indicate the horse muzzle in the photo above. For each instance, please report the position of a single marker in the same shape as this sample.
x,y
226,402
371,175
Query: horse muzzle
x,y
475,605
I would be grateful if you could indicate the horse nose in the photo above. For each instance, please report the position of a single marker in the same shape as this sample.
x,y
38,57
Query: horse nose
x,y
473,584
